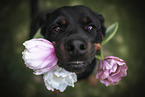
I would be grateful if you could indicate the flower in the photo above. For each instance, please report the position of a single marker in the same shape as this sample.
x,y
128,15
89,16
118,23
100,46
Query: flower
x,y
111,70
58,78
39,55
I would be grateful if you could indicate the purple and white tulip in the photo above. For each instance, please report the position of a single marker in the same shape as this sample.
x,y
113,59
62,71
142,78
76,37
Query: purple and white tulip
x,y
39,55
111,70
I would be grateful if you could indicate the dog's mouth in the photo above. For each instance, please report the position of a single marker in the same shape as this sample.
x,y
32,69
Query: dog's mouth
x,y
75,66
76,62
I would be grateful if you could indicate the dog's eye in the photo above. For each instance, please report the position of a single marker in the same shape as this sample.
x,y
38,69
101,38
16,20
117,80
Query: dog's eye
x,y
90,27
57,28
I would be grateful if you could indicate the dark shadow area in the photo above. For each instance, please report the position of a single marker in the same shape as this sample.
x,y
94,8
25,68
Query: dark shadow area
x,y
18,81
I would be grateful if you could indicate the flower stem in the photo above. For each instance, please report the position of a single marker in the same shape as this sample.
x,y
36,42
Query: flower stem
x,y
101,54
100,57
97,57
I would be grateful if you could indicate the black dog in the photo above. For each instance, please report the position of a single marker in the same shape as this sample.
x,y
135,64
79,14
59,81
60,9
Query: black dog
x,y
74,30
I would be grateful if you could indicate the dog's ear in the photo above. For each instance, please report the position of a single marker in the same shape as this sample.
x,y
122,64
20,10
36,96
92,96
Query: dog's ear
x,y
102,28
42,20
43,23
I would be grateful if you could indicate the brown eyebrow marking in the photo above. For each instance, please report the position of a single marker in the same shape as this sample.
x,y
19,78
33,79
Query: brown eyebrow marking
x,y
63,21
85,19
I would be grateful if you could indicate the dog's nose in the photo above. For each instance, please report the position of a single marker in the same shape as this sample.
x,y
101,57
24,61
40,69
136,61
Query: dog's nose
x,y
76,47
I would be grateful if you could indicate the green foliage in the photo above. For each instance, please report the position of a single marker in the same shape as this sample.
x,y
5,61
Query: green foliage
x,y
111,31
38,34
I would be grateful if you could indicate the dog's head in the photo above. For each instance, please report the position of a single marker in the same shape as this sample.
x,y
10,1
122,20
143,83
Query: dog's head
x,y
74,30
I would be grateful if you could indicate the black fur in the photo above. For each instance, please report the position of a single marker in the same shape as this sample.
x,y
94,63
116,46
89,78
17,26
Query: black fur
x,y
74,29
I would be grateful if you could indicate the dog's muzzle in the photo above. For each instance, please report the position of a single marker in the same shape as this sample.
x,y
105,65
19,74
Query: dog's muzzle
x,y
75,54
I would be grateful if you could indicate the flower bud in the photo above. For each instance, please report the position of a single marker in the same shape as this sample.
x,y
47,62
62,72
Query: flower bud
x,y
59,79
39,55
111,69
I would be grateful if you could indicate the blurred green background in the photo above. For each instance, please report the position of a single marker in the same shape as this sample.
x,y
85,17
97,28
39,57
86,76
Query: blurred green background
x,y
18,81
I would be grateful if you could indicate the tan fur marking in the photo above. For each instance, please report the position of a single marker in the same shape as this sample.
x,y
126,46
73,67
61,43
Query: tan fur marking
x,y
85,20
63,21
97,46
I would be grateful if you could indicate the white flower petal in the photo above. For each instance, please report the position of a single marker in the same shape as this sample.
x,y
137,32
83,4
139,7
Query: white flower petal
x,y
62,87
60,80
107,66
114,68
121,63
37,42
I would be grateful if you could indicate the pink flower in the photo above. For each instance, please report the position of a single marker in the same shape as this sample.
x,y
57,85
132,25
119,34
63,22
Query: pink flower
x,y
39,55
111,69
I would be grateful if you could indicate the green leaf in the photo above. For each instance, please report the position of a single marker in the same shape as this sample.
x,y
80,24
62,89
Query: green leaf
x,y
111,31
38,34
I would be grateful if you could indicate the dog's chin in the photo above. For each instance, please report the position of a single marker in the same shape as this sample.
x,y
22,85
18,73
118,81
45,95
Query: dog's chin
x,y
76,66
